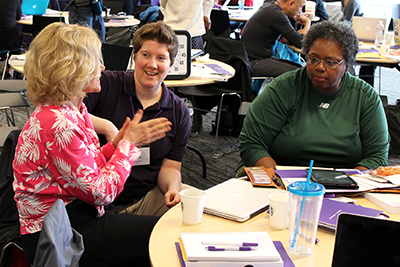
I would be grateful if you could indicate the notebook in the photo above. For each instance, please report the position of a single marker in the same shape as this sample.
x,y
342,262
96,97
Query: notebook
x,y
365,28
194,245
366,241
34,7
236,200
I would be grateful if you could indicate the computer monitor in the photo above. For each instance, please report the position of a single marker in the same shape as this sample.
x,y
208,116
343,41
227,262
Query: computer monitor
x,y
34,7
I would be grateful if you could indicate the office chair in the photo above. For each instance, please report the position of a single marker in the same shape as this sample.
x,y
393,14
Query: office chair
x,y
232,52
116,57
115,6
40,22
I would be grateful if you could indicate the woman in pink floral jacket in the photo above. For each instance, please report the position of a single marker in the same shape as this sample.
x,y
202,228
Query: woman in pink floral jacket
x,y
59,157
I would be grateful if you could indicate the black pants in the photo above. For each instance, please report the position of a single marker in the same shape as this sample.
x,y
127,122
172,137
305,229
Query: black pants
x,y
111,240
272,67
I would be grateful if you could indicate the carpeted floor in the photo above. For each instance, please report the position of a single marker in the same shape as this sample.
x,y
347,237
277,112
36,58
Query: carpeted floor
x,y
218,169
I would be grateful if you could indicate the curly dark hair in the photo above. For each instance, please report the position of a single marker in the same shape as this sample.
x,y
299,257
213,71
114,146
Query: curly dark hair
x,y
336,32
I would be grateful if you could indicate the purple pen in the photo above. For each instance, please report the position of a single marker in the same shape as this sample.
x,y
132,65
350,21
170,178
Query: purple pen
x,y
237,244
230,248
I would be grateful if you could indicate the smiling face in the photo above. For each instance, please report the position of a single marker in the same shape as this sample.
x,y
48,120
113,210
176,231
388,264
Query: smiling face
x,y
325,79
152,64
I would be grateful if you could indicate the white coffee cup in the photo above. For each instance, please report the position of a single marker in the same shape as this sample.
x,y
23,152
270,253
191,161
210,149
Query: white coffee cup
x,y
192,203
278,210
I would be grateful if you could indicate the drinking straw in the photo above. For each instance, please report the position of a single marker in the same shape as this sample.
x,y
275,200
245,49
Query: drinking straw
x,y
302,204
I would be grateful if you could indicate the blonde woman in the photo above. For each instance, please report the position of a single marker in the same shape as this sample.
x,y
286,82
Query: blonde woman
x,y
58,154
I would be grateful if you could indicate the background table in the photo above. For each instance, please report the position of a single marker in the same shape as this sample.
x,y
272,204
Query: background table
x,y
169,227
128,22
190,81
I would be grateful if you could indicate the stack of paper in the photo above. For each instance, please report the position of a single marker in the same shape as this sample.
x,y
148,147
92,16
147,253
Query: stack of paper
x,y
389,202
195,253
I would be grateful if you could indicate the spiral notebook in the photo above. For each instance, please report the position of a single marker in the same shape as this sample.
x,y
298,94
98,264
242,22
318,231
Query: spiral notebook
x,y
196,251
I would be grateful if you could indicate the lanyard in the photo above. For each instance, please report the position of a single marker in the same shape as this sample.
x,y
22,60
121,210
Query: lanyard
x,y
133,108
279,4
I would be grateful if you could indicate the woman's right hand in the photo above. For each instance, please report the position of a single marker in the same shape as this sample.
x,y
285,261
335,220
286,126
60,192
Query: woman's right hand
x,y
142,133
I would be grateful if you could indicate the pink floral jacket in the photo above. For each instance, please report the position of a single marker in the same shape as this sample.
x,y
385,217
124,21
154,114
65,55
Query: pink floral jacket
x,y
59,156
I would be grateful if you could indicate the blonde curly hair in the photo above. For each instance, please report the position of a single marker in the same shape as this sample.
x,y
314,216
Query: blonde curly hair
x,y
61,62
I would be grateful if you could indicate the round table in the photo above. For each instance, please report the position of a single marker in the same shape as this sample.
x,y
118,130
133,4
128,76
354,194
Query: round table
x,y
168,229
190,81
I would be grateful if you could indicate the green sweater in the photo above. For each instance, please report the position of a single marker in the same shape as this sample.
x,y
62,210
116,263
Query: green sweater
x,y
293,122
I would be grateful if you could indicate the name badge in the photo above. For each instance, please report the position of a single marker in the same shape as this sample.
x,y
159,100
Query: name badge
x,y
144,158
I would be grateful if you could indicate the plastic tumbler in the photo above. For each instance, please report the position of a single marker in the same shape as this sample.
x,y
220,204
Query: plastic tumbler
x,y
304,208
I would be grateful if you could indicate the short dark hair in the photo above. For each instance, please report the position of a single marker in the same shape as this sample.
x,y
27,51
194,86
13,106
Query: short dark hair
x,y
160,32
336,32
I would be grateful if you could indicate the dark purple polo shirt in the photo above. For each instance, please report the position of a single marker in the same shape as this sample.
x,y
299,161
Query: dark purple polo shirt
x,y
114,103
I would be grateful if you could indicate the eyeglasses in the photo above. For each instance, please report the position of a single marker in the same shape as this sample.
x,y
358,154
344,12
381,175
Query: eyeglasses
x,y
332,64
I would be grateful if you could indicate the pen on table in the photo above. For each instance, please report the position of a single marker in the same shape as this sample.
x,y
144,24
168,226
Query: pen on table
x,y
230,248
238,244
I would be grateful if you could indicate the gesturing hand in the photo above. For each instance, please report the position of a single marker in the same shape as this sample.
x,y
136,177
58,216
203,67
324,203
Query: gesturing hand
x,y
143,133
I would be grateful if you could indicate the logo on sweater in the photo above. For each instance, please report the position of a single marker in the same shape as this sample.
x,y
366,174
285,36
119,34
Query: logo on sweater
x,y
324,105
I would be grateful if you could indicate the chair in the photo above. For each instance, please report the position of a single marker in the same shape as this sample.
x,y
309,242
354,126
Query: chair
x,y
116,57
40,22
10,238
5,55
12,255
11,100
115,6
232,52
220,25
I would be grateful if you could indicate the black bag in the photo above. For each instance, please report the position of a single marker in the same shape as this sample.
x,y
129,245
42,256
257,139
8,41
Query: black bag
x,y
230,124
393,120
9,219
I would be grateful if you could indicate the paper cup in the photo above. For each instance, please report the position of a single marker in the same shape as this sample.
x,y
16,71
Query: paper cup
x,y
278,210
192,203
310,9
389,38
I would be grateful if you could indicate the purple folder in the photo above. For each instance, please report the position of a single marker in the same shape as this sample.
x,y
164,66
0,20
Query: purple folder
x,y
331,209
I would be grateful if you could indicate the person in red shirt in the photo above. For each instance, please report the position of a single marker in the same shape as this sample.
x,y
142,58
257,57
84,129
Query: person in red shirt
x,y
59,157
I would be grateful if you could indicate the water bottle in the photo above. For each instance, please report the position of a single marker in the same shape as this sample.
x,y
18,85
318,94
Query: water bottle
x,y
380,30
241,4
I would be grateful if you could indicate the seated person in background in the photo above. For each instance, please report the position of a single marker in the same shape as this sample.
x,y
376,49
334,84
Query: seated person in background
x,y
268,24
58,154
154,184
318,112
320,10
350,8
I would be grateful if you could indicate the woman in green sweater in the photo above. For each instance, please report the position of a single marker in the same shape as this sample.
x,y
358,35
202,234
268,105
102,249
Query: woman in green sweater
x,y
318,112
